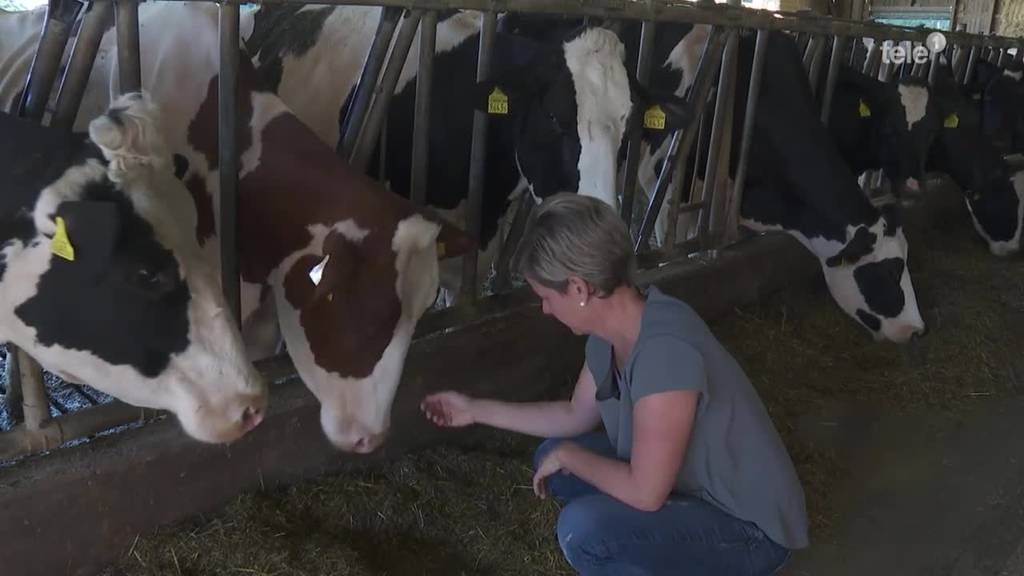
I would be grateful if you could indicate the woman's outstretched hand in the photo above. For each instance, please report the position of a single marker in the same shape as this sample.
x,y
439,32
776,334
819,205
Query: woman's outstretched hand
x,y
449,409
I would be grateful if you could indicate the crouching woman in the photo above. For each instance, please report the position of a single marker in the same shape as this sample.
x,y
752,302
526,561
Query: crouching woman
x,y
688,475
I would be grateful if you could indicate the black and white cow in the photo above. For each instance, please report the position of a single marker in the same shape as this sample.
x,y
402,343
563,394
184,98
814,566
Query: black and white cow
x,y
561,131
999,94
993,188
797,180
887,126
904,126
101,278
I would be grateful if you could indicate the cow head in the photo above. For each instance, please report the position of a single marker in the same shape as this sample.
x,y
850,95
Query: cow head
x,y
107,287
870,281
571,104
994,193
997,211
352,266
901,121
348,309
997,94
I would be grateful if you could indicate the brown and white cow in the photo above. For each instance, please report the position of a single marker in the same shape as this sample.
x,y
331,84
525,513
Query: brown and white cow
x,y
350,267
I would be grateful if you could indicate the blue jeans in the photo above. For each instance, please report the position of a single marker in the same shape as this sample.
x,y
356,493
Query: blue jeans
x,y
601,535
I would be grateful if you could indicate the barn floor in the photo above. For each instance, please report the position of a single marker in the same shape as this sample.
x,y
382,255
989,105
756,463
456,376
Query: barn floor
x,y
908,455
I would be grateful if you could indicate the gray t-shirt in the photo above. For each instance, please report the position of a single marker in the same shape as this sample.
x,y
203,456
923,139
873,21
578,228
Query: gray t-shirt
x,y
735,458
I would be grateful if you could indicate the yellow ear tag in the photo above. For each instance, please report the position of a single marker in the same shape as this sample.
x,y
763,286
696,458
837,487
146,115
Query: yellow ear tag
x,y
654,118
497,102
865,112
440,249
59,244
952,121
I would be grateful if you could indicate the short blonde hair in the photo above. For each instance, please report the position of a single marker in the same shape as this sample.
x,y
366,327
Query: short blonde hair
x,y
573,235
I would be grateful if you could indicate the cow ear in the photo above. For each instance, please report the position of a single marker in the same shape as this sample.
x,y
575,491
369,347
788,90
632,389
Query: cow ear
x,y
85,234
872,91
862,244
331,272
451,240
129,136
500,97
657,112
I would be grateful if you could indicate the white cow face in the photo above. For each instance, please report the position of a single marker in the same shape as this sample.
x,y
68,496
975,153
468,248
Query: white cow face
x,y
869,280
109,289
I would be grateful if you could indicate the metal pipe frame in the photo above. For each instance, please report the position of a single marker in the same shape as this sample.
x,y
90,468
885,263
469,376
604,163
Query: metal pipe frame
x,y
229,156
695,101
369,132
478,156
712,219
885,70
933,68
52,433
675,200
421,120
97,19
972,61
634,146
835,62
679,177
814,72
696,13
13,397
750,114
60,17
810,51
356,114
1004,58
128,67
803,40
697,179
856,47
34,399
959,63
873,60
503,273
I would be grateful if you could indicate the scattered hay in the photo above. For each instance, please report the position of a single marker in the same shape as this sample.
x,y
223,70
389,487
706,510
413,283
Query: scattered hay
x,y
441,511
449,511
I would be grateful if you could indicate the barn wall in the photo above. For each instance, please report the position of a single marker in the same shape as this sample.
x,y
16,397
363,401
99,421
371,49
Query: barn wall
x,y
1009,18
911,3
975,16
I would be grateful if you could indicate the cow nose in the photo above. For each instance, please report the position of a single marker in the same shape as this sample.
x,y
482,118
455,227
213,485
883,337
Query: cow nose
x,y
252,416
919,333
368,443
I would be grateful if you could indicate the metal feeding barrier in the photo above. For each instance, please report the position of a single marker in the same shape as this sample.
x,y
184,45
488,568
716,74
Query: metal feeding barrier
x,y
708,105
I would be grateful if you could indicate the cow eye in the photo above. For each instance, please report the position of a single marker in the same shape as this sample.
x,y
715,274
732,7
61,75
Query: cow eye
x,y
554,120
152,278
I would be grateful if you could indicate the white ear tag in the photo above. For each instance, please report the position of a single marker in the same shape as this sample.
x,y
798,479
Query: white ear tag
x,y
318,271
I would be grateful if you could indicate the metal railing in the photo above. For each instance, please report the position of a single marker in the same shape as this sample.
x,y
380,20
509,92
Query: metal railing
x,y
718,206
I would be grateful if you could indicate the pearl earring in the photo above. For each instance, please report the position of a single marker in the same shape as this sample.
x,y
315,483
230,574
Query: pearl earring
x,y
583,303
